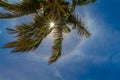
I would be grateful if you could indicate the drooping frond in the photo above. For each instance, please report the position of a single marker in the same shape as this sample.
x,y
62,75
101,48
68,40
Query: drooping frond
x,y
23,30
66,29
21,45
59,12
28,43
56,49
23,8
77,24
4,15
29,37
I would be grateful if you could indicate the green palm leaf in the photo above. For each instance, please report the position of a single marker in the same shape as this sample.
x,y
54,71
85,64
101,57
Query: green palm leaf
x,y
23,8
77,24
9,15
30,35
56,49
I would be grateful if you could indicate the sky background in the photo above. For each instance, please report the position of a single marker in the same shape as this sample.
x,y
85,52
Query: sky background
x,y
94,58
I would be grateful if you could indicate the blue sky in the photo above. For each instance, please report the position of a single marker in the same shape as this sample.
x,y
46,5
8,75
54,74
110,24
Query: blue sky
x,y
94,58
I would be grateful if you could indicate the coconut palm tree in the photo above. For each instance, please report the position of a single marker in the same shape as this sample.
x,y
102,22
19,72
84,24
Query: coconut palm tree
x,y
48,16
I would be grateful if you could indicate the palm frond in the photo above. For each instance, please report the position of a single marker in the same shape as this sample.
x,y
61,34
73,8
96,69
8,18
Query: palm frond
x,y
56,49
66,29
4,15
23,8
23,30
78,25
29,37
24,44
21,45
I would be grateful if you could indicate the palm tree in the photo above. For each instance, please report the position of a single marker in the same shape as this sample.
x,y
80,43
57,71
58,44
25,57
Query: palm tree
x,y
30,35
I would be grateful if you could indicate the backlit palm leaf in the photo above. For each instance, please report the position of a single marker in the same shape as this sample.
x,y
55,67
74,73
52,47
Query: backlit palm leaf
x,y
23,8
9,15
77,24
30,35
56,49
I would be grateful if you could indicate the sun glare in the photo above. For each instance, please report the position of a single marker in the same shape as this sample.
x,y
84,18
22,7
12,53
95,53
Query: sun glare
x,y
52,24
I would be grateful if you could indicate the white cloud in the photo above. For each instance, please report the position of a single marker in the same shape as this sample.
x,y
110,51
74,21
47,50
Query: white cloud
x,y
57,73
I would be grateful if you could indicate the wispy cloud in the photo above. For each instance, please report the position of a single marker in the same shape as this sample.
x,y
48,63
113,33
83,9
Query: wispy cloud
x,y
99,36
100,48
57,73
0,32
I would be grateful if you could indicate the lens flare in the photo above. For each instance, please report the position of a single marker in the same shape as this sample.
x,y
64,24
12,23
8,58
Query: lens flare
x,y
52,24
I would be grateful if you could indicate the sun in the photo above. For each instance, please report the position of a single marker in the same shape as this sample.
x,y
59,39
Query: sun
x,y
52,24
